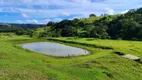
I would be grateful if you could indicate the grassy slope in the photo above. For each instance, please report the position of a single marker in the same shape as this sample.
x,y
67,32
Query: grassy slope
x,y
19,64
127,47
40,30
92,19
120,68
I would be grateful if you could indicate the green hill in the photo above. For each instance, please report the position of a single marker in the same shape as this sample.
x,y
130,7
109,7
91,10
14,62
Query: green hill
x,y
126,26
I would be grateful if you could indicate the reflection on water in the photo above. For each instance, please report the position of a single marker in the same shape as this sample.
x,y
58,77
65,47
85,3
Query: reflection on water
x,y
54,49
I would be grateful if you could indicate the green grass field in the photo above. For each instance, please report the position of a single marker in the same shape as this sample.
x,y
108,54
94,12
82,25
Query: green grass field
x,y
103,64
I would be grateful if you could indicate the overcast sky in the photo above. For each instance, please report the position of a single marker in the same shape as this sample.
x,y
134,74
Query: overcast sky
x,y
42,11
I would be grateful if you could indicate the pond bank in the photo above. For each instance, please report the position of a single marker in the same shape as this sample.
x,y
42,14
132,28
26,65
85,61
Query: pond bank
x,y
84,44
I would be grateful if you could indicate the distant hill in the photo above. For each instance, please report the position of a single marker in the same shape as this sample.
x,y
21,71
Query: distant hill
x,y
9,27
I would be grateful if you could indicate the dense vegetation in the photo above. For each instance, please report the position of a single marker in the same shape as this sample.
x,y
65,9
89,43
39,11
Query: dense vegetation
x,y
124,26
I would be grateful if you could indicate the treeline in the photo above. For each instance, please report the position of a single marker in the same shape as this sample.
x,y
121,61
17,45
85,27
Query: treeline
x,y
125,26
19,29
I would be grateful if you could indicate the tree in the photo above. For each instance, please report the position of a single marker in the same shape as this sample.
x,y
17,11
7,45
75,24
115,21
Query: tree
x,y
92,15
63,24
94,34
69,31
50,23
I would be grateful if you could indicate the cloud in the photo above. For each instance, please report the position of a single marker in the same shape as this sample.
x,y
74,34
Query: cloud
x,y
9,9
24,15
65,14
109,11
123,12
45,21
19,21
57,19
81,1
61,9
32,21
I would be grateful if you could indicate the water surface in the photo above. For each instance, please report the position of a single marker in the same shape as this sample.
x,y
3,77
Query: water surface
x,y
54,49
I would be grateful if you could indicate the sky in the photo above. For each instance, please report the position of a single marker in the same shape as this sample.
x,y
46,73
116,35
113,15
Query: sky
x,y
43,11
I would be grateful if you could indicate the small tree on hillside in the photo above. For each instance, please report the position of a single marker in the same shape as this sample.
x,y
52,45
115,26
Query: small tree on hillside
x,y
50,23
92,15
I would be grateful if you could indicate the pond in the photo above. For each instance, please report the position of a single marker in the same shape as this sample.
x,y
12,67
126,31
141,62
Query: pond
x,y
54,49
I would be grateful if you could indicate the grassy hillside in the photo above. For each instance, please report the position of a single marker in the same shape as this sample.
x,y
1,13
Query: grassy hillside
x,y
38,31
19,64
126,26
124,46
91,20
